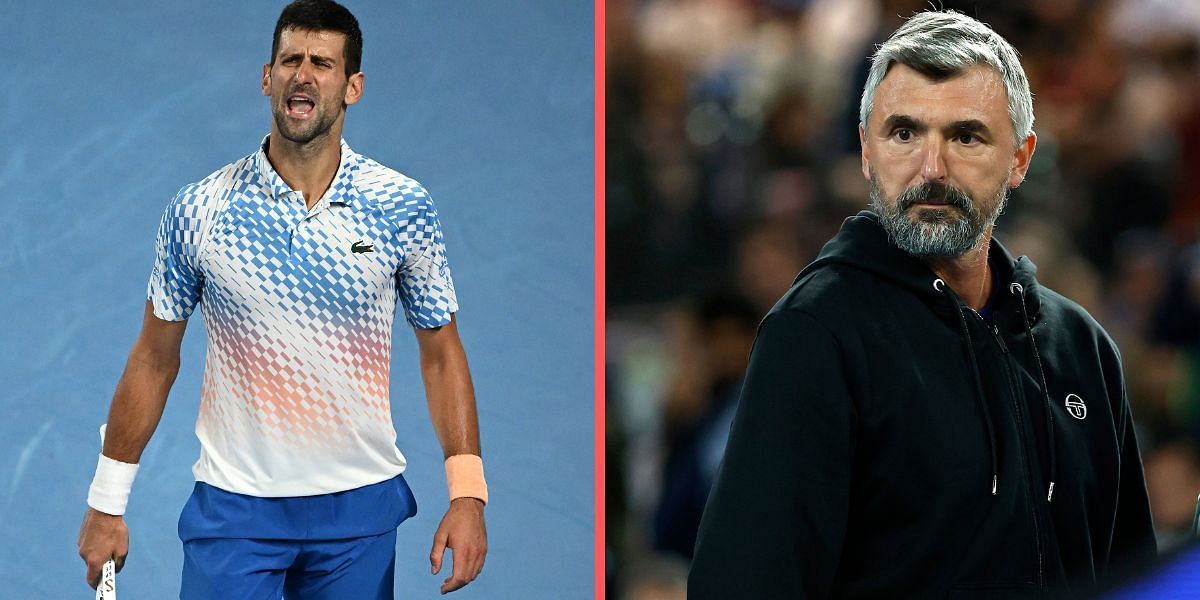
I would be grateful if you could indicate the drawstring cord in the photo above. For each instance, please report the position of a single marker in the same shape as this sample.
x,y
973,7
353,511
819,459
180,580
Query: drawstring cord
x,y
941,287
1019,292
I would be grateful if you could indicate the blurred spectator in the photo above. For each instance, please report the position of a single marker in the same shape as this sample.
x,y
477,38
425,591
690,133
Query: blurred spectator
x,y
614,491
768,257
698,411
661,578
733,154
1172,478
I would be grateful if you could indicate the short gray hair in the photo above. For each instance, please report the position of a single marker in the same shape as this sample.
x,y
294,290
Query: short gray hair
x,y
940,44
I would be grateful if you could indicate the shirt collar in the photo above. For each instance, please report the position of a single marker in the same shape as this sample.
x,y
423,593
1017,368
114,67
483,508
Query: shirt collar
x,y
341,189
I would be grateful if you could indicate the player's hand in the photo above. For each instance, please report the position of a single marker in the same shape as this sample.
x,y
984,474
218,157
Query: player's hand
x,y
462,531
102,537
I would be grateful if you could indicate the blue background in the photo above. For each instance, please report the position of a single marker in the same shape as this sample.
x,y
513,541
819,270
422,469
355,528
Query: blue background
x,y
106,112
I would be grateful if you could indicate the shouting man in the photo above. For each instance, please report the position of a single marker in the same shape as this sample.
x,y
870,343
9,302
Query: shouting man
x,y
297,256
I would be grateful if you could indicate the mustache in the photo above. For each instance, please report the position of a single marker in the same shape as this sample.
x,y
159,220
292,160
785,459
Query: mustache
x,y
935,193
301,89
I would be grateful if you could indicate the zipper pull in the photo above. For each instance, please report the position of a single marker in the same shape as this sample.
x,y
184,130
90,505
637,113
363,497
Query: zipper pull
x,y
1000,340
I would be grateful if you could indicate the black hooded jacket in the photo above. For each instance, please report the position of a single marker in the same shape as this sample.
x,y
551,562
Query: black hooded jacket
x,y
891,443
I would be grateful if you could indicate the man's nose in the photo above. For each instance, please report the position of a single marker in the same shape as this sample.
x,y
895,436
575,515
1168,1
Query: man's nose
x,y
303,72
933,165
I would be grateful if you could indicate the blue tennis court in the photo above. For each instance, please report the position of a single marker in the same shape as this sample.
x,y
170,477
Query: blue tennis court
x,y
110,108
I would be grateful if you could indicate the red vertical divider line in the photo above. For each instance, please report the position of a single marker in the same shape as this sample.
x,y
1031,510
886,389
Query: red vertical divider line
x,y
598,374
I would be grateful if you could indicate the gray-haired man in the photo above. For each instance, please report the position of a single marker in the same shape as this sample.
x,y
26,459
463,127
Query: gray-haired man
x,y
920,418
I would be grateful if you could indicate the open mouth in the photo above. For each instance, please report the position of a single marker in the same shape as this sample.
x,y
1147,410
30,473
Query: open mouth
x,y
300,106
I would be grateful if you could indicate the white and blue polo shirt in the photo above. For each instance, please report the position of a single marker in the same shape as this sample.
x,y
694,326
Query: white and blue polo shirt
x,y
298,305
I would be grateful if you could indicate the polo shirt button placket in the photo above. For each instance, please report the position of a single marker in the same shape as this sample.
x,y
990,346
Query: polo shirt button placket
x,y
307,223
296,215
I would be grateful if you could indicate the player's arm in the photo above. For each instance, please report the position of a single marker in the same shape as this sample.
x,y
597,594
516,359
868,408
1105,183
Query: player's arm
x,y
133,416
451,400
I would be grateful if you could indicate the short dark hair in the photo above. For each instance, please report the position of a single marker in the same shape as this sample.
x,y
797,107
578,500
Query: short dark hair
x,y
322,15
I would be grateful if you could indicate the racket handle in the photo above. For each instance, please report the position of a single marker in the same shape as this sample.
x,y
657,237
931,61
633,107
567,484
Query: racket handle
x,y
107,590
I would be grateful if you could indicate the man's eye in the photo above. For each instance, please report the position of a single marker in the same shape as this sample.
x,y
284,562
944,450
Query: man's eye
x,y
968,139
904,135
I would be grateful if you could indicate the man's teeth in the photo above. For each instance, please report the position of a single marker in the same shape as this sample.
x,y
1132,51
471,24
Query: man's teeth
x,y
300,104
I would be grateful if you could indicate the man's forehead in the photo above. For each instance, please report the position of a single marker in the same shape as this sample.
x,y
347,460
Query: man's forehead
x,y
312,41
976,92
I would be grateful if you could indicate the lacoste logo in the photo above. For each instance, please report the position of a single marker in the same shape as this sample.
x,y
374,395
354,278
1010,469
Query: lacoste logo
x,y
359,247
1076,407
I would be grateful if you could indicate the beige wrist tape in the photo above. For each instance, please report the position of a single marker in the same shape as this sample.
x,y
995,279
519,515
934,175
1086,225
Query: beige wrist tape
x,y
110,487
464,476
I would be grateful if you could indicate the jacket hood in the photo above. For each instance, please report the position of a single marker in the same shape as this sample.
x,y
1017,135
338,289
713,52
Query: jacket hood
x,y
862,243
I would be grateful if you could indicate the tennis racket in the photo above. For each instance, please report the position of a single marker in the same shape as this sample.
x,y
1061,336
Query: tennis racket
x,y
107,590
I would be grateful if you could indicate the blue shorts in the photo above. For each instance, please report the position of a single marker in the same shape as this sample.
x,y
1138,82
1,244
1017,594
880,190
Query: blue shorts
x,y
251,569
339,545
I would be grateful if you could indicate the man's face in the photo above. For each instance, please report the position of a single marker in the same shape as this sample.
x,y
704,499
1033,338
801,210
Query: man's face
x,y
941,157
307,83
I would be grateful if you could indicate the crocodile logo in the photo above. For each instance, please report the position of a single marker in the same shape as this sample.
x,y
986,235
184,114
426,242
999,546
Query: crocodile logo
x,y
1076,407
359,247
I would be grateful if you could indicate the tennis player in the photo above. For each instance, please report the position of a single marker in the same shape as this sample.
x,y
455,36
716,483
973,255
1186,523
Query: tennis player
x,y
297,256
921,418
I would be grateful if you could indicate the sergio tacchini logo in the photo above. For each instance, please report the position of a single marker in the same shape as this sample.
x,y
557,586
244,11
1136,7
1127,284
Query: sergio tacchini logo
x,y
1076,407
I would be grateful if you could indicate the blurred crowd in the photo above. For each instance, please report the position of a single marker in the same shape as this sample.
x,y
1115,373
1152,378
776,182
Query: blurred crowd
x,y
732,156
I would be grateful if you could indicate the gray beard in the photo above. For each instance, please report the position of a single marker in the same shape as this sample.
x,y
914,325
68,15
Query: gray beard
x,y
935,233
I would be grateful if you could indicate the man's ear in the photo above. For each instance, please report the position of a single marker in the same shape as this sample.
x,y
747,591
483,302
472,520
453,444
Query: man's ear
x,y
354,88
266,80
1021,160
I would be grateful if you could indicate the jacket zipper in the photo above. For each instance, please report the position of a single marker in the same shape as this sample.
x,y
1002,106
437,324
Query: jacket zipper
x,y
1012,390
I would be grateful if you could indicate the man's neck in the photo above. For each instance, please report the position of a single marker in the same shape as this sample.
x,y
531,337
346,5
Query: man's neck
x,y
307,168
969,275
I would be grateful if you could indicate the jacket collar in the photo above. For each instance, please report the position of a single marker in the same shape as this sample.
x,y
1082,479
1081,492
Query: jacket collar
x,y
863,243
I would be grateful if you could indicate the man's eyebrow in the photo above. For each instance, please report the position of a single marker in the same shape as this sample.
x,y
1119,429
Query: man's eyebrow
x,y
286,55
969,126
902,122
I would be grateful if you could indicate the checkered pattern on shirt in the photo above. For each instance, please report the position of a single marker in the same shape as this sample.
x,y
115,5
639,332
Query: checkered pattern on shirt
x,y
295,394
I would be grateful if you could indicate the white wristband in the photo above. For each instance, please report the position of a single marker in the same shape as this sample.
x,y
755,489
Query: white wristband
x,y
110,487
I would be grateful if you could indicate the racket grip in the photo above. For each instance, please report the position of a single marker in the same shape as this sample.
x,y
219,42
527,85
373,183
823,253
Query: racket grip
x,y
107,590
